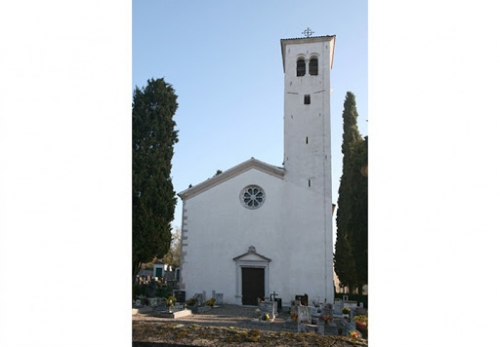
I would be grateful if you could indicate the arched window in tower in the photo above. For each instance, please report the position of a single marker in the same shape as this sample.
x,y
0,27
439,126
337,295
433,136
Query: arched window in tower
x,y
313,66
301,67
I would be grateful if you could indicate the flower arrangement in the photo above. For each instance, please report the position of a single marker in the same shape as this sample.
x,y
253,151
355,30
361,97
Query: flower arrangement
x,y
266,317
346,310
294,316
361,319
327,319
211,302
353,334
361,323
170,301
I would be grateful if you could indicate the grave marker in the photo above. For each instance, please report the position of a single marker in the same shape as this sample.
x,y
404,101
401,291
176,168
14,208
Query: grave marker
x,y
304,314
268,307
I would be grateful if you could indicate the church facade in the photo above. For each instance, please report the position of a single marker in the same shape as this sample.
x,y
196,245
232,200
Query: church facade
x,y
257,228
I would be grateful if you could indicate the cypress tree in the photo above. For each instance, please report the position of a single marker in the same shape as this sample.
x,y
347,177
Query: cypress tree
x,y
153,195
349,237
358,227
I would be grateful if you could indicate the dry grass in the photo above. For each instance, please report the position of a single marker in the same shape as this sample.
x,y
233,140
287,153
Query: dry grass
x,y
196,335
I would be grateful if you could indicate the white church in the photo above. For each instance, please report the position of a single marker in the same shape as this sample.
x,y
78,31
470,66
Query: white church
x,y
257,228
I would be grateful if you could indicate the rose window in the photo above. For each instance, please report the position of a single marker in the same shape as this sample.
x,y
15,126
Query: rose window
x,y
252,197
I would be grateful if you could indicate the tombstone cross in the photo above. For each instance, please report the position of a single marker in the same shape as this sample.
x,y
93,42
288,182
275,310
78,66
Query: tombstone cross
x,y
273,295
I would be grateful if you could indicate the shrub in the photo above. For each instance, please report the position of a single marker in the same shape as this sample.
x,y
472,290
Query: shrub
x,y
138,289
192,302
163,292
211,302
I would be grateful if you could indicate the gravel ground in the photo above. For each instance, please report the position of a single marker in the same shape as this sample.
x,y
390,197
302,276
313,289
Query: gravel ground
x,y
223,316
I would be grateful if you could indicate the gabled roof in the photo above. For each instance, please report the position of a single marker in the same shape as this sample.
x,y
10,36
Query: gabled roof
x,y
230,173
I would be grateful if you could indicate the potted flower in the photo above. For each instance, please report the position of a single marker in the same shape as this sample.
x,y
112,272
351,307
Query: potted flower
x,y
353,334
294,316
170,302
361,322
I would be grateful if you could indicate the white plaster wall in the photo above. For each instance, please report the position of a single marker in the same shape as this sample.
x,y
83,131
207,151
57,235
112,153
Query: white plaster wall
x,y
312,160
218,228
310,244
311,221
288,229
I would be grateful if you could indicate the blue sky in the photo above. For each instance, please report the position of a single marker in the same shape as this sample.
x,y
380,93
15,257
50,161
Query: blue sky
x,y
223,59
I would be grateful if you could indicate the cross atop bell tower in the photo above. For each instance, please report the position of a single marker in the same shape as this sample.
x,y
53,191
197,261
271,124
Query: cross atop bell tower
x,y
307,32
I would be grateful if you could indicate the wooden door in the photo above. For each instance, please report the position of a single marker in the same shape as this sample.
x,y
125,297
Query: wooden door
x,y
252,285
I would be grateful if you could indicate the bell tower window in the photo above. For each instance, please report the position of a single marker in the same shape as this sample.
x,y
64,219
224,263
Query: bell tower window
x,y
313,67
301,67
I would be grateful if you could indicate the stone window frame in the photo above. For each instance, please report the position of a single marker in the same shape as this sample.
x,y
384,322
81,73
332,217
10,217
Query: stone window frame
x,y
254,202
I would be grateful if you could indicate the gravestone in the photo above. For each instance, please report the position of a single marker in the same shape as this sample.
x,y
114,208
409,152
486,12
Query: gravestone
x,y
304,300
352,324
304,319
330,327
218,297
304,314
337,307
268,307
294,305
180,295
199,298
327,312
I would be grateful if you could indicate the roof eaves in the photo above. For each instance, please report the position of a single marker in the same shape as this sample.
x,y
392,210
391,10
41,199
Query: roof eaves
x,y
230,173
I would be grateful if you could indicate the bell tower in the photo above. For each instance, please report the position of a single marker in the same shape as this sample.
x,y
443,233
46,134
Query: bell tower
x,y
307,63
307,154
